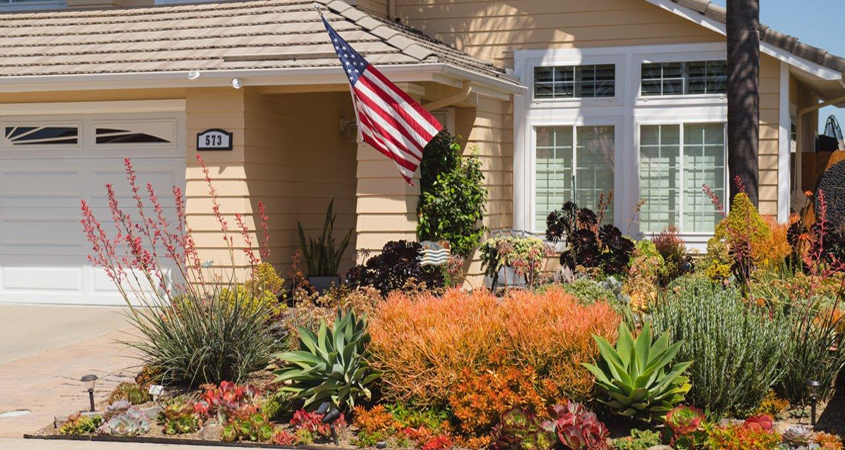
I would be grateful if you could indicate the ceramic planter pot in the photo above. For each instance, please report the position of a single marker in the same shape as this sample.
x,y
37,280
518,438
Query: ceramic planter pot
x,y
323,284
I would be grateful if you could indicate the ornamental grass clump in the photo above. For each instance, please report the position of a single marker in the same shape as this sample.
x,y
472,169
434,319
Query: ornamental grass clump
x,y
423,344
737,349
199,324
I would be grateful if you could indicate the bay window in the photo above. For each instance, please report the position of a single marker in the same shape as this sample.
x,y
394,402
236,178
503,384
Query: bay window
x,y
675,162
572,163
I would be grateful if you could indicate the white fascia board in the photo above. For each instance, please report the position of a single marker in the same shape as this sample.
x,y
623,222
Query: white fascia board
x,y
769,49
105,107
254,77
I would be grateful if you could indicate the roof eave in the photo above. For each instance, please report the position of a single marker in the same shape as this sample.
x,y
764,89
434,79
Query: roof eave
x,y
248,77
808,66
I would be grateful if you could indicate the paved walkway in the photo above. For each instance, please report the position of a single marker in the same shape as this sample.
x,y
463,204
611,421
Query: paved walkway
x,y
45,350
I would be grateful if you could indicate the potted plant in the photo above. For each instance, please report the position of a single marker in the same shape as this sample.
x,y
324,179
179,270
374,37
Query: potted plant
x,y
514,259
323,255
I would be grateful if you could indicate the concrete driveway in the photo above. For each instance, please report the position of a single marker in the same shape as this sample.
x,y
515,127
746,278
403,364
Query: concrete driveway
x,y
45,350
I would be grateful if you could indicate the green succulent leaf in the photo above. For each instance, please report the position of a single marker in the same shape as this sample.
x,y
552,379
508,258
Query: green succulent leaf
x,y
634,377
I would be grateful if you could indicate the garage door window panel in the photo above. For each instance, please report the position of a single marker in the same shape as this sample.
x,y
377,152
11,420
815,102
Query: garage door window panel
x,y
38,135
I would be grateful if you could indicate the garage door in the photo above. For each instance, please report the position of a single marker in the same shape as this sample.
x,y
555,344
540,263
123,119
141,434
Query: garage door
x,y
47,165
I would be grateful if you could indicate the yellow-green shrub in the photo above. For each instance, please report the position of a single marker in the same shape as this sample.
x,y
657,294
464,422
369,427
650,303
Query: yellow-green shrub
x,y
641,285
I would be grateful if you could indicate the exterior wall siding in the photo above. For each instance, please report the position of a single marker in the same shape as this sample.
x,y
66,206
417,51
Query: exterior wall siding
x,y
297,161
492,30
288,153
767,154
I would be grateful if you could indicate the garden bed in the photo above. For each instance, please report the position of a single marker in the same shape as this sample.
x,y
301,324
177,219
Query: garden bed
x,y
177,441
630,345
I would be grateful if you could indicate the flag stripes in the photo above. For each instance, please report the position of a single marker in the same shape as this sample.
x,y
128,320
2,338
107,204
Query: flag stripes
x,y
389,119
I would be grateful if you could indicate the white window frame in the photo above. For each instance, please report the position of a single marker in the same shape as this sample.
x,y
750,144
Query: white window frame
x,y
626,112
684,78
705,54
44,5
564,58
615,122
697,238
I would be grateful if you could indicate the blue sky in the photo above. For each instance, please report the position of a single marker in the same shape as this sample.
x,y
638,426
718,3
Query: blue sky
x,y
814,22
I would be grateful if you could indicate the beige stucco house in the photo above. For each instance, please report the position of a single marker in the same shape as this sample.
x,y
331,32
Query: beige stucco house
x,y
564,99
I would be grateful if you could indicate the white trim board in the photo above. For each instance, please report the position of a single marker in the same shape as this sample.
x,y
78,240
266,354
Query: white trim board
x,y
769,49
784,150
438,72
115,107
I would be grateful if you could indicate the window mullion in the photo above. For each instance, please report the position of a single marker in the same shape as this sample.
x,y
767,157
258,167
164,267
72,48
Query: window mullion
x,y
573,188
682,186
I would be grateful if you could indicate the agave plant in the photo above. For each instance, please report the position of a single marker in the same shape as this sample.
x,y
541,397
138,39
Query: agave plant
x,y
330,365
323,255
634,375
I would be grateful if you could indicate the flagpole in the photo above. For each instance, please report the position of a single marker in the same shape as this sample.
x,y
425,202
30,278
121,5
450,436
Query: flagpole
x,y
359,138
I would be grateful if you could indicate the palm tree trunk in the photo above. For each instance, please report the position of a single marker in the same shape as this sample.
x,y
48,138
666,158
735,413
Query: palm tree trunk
x,y
743,23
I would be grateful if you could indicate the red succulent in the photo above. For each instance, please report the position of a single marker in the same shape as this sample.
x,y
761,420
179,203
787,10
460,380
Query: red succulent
x,y
763,422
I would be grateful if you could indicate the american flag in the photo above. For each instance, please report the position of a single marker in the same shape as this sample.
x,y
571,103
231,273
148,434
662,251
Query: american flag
x,y
390,121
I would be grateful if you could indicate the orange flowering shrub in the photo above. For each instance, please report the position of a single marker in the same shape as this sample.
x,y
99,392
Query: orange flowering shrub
x,y
423,344
772,252
481,398
552,334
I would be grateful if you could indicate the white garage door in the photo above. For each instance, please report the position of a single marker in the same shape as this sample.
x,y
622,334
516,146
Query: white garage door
x,y
47,165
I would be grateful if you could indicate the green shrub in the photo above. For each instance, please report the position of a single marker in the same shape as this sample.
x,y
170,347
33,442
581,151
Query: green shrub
x,y
130,392
638,440
589,291
736,348
452,196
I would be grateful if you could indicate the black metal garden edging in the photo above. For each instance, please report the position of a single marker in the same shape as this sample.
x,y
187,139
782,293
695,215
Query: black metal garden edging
x,y
174,441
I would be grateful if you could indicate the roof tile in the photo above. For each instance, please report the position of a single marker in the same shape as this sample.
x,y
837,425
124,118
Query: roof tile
x,y
253,34
783,41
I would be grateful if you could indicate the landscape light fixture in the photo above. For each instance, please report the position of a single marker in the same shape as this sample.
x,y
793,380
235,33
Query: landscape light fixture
x,y
329,417
90,381
813,390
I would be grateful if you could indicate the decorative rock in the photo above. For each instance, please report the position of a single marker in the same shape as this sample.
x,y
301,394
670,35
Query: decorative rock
x,y
381,444
211,432
152,412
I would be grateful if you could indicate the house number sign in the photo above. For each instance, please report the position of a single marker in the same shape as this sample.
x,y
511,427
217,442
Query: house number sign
x,y
214,139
